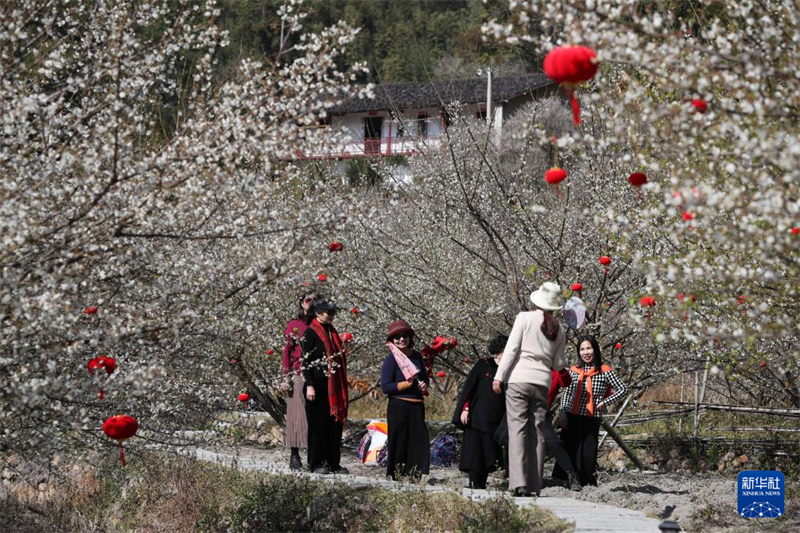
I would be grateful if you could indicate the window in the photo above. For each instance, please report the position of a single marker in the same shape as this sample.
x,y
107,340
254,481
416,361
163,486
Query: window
x,y
422,125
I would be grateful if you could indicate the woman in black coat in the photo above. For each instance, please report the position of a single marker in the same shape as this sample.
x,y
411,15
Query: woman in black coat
x,y
479,413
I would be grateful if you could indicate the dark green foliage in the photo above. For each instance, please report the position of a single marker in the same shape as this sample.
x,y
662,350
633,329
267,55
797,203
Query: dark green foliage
x,y
401,41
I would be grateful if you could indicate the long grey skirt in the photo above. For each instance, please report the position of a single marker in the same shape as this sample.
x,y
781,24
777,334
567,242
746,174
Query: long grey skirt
x,y
296,424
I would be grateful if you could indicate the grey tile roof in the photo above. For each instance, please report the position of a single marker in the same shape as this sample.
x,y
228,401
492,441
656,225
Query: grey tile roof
x,y
404,96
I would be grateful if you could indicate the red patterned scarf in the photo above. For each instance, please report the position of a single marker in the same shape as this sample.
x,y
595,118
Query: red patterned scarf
x,y
585,377
337,369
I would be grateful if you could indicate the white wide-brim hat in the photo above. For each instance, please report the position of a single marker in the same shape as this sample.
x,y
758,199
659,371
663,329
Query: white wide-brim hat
x,y
548,297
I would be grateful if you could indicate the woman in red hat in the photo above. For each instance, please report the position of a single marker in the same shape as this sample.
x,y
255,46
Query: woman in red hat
x,y
408,442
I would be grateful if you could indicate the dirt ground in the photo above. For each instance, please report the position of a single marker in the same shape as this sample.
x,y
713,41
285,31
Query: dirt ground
x,y
699,502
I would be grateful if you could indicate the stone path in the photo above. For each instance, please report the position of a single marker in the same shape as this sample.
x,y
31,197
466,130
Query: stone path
x,y
588,517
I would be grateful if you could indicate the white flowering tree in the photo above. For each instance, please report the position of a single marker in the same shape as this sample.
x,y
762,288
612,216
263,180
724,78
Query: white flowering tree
x,y
149,212
703,99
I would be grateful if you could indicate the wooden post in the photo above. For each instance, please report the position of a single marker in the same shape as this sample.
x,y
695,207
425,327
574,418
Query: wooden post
x,y
696,403
683,386
614,435
616,418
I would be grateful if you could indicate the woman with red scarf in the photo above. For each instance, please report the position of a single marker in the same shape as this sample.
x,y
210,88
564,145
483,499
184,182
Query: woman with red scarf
x,y
325,389
594,387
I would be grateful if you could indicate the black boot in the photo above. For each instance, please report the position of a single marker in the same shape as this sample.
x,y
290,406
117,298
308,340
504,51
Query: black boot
x,y
573,483
294,461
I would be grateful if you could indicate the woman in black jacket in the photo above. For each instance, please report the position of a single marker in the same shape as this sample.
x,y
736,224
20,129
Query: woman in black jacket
x,y
479,412
325,374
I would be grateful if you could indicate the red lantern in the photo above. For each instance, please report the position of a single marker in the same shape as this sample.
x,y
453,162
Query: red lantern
x,y
322,278
355,311
605,261
347,337
577,287
700,105
795,230
120,428
335,247
570,66
555,175
763,364
647,301
244,397
90,310
270,351
618,346
440,374
687,216
637,179
109,364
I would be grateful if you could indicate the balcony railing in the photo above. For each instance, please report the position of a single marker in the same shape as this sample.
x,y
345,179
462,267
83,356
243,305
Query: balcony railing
x,y
388,145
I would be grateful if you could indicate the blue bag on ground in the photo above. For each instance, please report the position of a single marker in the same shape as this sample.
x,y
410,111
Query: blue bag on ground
x,y
444,450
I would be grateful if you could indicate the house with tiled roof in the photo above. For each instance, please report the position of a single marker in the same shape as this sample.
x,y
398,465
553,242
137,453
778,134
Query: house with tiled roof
x,y
404,118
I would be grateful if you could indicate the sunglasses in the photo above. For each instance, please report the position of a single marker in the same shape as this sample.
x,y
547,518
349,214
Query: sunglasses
x,y
401,336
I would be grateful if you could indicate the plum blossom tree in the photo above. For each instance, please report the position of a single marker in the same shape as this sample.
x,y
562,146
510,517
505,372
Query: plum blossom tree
x,y
703,99
149,210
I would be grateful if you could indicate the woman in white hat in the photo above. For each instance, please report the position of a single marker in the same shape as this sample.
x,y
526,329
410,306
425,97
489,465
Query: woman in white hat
x,y
536,344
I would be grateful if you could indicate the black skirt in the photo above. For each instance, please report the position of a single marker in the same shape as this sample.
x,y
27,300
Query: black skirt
x,y
479,452
409,445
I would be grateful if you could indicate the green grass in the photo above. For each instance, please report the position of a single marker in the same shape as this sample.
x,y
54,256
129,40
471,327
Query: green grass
x,y
161,492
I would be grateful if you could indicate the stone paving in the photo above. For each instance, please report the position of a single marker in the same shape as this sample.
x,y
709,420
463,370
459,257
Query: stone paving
x,y
588,517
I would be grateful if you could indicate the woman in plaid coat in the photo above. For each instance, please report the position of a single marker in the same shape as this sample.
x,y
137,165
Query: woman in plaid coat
x,y
594,387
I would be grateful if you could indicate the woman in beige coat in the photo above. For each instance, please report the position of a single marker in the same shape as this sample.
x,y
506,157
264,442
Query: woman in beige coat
x,y
536,344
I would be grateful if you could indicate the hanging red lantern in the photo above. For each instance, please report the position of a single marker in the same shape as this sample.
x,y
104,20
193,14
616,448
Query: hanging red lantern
x,y
763,364
322,278
571,66
270,351
687,216
618,346
795,230
244,397
120,428
605,261
347,337
98,364
335,246
555,175
440,374
700,105
355,311
637,179
90,310
577,287
647,301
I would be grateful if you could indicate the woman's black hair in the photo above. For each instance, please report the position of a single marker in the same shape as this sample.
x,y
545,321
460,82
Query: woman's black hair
x,y
301,313
497,344
598,362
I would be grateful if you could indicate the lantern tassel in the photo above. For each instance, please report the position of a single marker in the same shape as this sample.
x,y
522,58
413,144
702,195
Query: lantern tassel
x,y
101,395
576,108
122,454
